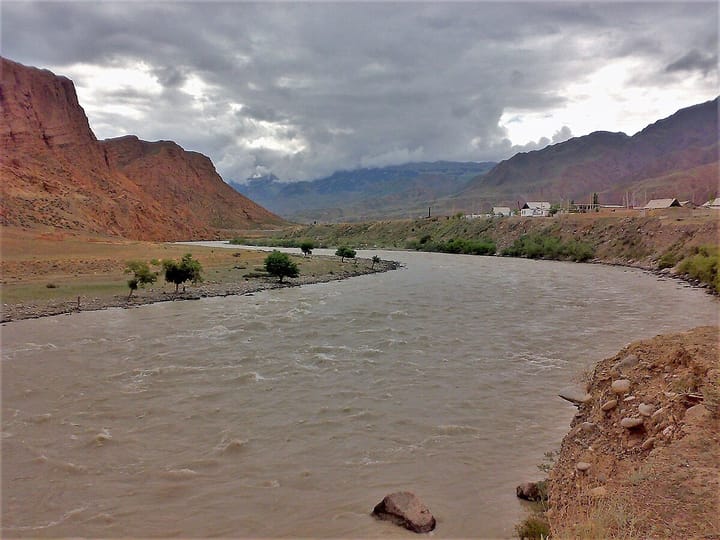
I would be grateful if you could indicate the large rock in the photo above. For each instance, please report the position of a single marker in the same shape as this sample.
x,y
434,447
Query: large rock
x,y
574,395
532,491
621,386
631,422
405,509
609,405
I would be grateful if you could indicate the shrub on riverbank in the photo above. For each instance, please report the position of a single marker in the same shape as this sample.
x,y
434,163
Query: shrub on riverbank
x,y
702,265
456,245
279,264
543,246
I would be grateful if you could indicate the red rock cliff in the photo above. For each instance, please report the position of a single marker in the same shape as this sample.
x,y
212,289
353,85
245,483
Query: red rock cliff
x,y
55,172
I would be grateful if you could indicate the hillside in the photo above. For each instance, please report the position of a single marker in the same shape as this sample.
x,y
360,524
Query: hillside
x,y
363,194
674,157
623,237
56,174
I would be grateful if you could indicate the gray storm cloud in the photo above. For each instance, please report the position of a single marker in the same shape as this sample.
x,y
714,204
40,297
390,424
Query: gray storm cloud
x,y
304,89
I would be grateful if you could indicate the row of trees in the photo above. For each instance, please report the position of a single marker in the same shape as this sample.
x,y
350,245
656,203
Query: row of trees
x,y
276,264
307,246
176,272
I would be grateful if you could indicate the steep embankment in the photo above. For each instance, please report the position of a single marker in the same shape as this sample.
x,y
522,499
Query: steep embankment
x,y
641,458
616,239
56,174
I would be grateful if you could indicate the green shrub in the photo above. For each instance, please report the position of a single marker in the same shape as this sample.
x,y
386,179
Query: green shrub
x,y
142,275
178,272
703,265
279,264
460,246
668,260
237,241
345,252
307,246
543,246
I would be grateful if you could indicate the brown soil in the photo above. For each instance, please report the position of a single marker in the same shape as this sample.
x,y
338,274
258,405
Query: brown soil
x,y
661,479
51,273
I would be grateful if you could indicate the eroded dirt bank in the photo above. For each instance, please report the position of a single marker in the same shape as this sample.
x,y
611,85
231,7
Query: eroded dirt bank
x,y
660,478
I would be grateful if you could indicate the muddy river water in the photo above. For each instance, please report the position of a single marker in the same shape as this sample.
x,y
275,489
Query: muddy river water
x,y
292,412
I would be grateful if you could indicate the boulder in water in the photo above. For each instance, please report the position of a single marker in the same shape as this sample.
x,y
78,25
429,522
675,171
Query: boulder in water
x,y
532,491
407,510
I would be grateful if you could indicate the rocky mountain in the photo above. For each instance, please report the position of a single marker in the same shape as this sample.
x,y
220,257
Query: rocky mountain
x,y
55,173
362,194
674,157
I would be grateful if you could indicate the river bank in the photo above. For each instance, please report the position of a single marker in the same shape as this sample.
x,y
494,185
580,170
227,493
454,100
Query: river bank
x,y
640,459
655,242
33,310
52,274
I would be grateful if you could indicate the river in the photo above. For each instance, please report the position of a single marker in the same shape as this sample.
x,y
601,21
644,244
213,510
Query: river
x,y
292,412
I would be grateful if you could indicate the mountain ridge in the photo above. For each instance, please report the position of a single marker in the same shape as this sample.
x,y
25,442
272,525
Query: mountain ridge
x,y
364,193
612,164
57,174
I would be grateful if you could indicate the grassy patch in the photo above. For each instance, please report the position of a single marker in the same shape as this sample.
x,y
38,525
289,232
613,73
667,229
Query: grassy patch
x,y
607,518
702,265
668,260
456,245
534,527
544,246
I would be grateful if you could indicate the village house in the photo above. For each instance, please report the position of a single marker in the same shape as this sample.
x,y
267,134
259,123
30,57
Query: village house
x,y
502,211
535,209
657,204
713,203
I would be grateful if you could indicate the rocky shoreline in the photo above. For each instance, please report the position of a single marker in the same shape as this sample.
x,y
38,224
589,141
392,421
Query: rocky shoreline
x,y
34,310
640,459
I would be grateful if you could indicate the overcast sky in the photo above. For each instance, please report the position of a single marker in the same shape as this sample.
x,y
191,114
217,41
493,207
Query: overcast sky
x,y
304,89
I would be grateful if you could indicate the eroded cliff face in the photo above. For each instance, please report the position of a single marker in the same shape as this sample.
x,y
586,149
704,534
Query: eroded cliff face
x,y
187,181
55,173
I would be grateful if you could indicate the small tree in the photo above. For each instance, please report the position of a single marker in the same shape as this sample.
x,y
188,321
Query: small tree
x,y
307,247
142,275
178,272
375,260
279,264
345,251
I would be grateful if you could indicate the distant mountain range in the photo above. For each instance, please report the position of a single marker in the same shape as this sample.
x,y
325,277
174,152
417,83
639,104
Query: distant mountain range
x,y
674,157
57,175
364,194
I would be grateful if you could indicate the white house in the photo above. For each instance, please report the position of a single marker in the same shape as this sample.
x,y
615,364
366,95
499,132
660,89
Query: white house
x,y
656,204
713,203
535,209
502,211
